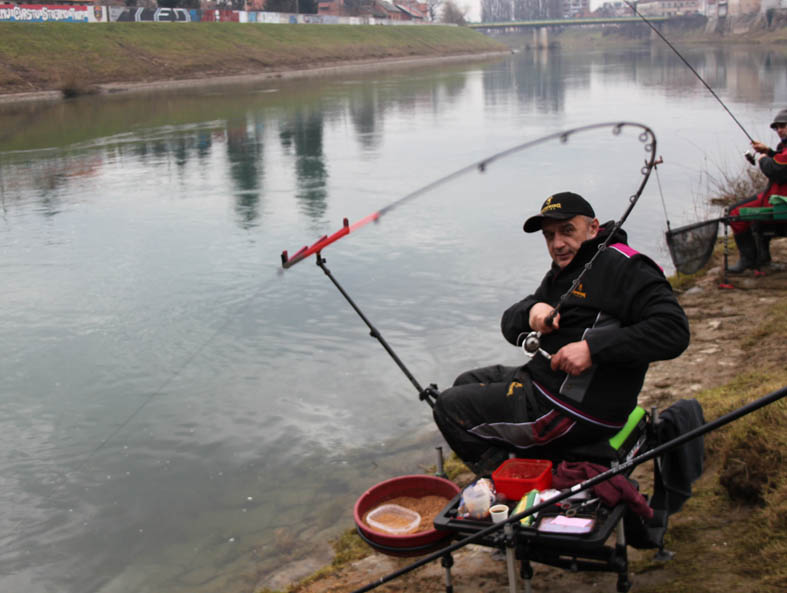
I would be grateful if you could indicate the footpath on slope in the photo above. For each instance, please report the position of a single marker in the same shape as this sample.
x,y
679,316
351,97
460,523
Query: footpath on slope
x,y
727,339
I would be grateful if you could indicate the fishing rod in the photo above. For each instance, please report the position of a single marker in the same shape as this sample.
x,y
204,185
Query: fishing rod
x,y
531,343
582,486
633,7
287,261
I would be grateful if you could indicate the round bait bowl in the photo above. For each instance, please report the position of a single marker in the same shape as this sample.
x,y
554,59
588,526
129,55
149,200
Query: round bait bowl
x,y
411,544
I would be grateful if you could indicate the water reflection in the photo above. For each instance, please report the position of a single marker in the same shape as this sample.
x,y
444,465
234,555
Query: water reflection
x,y
302,132
245,156
140,238
366,116
538,79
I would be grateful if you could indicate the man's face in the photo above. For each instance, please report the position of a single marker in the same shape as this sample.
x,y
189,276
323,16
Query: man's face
x,y
564,237
781,129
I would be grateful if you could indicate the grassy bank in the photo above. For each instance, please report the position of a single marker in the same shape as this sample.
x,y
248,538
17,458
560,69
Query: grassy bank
x,y
51,56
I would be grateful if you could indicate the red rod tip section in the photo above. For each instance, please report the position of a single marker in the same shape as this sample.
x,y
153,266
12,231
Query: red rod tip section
x,y
325,240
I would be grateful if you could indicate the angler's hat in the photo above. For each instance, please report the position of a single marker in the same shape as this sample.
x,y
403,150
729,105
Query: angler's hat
x,y
781,118
560,206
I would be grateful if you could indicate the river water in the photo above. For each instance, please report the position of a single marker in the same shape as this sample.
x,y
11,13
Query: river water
x,y
178,414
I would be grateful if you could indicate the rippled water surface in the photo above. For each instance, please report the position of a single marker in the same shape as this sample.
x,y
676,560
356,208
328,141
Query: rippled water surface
x,y
178,414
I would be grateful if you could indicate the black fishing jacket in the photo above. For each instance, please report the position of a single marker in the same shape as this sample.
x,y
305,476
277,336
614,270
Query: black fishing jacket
x,y
630,288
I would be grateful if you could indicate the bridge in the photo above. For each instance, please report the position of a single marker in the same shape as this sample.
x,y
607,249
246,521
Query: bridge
x,y
541,27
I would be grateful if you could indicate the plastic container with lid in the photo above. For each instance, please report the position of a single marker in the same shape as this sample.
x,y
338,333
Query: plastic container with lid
x,y
393,518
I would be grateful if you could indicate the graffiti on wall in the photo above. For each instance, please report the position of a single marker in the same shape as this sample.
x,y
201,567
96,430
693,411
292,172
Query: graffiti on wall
x,y
154,15
220,16
41,13
98,14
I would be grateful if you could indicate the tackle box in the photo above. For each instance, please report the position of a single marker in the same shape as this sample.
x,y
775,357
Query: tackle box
x,y
516,477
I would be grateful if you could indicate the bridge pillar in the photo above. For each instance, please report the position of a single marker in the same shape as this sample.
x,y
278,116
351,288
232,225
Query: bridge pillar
x,y
540,37
543,37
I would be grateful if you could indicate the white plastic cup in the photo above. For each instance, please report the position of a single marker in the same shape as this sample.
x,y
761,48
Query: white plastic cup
x,y
477,501
499,513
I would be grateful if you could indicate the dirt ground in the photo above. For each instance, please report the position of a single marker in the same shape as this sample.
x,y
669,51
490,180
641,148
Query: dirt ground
x,y
720,319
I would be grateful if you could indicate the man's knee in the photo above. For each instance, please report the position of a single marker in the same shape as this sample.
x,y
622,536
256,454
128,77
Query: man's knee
x,y
491,374
447,407
465,378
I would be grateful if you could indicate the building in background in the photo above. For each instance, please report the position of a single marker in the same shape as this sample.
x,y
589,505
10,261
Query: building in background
x,y
576,8
401,10
669,7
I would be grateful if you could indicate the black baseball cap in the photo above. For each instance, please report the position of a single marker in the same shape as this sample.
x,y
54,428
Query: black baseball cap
x,y
560,206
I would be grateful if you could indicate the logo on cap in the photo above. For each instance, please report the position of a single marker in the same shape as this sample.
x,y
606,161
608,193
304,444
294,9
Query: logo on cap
x,y
548,205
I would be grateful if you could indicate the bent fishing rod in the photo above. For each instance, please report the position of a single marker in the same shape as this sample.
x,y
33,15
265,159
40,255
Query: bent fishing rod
x,y
582,486
530,343
287,261
689,66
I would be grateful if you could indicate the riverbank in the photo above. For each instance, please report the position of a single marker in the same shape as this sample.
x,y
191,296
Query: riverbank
x,y
732,534
47,59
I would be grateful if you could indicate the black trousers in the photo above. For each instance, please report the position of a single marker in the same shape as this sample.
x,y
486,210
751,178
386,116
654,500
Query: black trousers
x,y
493,411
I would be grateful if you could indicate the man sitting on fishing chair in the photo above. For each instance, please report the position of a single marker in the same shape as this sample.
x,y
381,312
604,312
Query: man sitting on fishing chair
x,y
583,383
773,163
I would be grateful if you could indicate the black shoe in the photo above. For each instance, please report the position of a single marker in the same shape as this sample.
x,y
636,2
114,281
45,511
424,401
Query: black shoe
x,y
764,251
748,252
742,265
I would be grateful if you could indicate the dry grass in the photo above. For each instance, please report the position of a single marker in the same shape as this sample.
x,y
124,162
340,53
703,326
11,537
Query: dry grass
x,y
732,533
728,188
34,56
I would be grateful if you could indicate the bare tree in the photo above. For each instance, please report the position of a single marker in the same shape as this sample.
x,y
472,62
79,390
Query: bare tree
x,y
495,11
510,10
453,14
433,7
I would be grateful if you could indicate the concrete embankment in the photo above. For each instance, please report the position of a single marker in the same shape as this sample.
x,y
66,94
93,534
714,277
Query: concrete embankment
x,y
82,58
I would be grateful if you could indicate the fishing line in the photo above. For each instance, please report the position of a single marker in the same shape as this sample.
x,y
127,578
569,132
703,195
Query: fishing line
x,y
661,194
156,393
531,345
690,67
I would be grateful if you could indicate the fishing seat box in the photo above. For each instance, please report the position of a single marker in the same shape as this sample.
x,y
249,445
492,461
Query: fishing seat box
x,y
762,213
572,551
777,211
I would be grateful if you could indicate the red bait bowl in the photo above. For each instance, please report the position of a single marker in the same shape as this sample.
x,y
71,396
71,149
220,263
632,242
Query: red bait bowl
x,y
410,544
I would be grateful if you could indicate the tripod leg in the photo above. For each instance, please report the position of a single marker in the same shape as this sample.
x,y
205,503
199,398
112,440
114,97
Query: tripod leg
x,y
447,562
510,558
526,571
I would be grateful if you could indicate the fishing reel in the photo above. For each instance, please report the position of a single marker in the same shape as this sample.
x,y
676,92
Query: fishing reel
x,y
531,346
749,156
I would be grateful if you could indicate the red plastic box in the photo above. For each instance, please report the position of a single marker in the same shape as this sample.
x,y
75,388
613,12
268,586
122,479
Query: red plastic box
x,y
516,477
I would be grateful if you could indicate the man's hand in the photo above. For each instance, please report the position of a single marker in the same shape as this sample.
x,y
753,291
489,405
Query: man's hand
x,y
572,358
538,318
759,146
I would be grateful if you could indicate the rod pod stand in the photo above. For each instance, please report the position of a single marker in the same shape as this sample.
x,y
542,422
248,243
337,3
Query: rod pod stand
x,y
429,395
635,461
